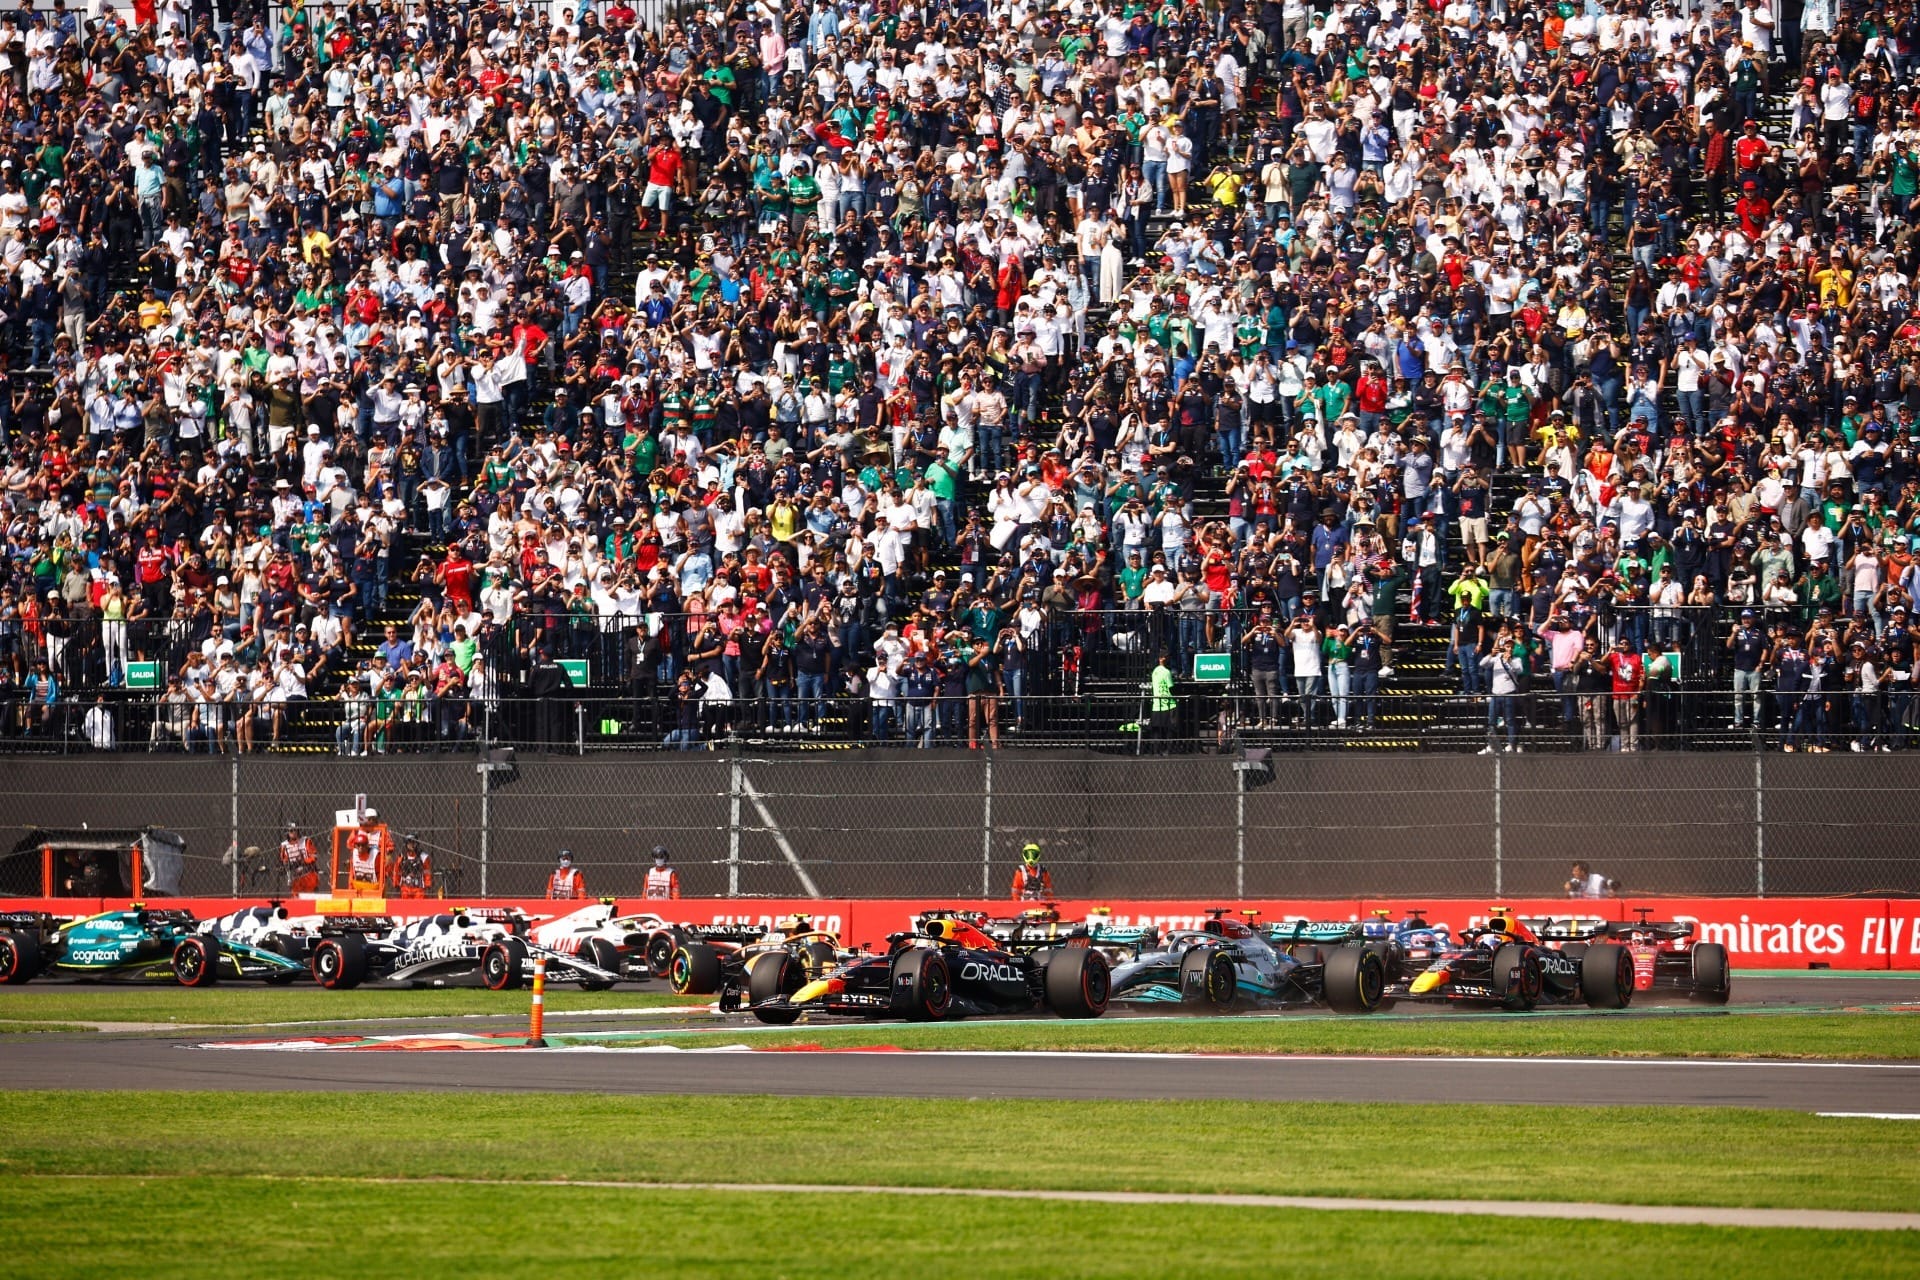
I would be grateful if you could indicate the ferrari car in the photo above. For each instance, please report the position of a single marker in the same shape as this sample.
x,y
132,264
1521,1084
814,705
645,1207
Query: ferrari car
x,y
1230,964
490,947
723,960
1508,966
1667,955
943,968
135,945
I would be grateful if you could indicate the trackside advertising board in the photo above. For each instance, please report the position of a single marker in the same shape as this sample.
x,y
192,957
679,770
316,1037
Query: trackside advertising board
x,y
1759,933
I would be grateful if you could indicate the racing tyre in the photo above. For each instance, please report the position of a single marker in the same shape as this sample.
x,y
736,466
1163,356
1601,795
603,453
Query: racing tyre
x,y
601,954
19,958
695,970
775,974
1354,980
1712,980
1517,977
821,959
923,984
660,949
1080,981
340,964
501,965
1606,977
196,961
1208,977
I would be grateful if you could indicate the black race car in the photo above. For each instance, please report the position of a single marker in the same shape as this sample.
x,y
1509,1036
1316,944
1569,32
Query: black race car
x,y
946,967
1508,966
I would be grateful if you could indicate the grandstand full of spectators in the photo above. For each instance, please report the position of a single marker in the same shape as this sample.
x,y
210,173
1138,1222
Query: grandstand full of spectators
x,y
384,376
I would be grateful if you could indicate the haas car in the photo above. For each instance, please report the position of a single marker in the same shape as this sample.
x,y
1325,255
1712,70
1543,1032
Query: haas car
x,y
946,967
1667,955
722,959
1506,965
1228,964
136,945
491,947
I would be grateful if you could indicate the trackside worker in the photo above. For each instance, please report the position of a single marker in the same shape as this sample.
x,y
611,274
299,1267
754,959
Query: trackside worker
x,y
567,882
363,861
413,872
662,880
1030,879
1585,882
300,862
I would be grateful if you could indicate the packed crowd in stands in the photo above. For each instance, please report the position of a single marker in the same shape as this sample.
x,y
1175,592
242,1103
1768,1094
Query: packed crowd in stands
x,y
880,352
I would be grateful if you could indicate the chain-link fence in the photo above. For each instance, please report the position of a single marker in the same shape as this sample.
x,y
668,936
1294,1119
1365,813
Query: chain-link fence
x,y
881,823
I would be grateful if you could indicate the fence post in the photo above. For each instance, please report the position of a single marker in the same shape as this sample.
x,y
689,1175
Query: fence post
x,y
1498,852
986,826
1759,822
486,826
233,820
1240,830
733,824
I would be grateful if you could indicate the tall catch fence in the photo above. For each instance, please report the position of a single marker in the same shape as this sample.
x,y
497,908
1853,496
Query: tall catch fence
x,y
883,823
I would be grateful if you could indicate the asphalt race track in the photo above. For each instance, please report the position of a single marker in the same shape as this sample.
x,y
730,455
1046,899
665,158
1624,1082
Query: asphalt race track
x,y
176,1061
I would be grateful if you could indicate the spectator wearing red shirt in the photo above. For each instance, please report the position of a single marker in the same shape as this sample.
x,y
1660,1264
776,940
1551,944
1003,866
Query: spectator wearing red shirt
x,y
1629,672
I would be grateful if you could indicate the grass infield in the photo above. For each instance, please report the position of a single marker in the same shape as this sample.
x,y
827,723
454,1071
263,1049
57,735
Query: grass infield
x,y
161,1229
1665,1155
1759,1034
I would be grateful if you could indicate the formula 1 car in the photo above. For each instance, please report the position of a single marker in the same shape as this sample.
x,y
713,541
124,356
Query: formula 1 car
x,y
638,947
945,967
1507,965
489,947
1666,955
723,959
135,945
1227,964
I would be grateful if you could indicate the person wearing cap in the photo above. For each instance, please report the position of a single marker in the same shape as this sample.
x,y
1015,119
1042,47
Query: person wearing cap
x,y
1752,651
566,882
662,880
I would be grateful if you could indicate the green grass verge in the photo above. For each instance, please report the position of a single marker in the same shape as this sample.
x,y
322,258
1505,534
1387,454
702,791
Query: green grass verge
x,y
1728,1035
236,1005
1664,1155
11,1028
158,1229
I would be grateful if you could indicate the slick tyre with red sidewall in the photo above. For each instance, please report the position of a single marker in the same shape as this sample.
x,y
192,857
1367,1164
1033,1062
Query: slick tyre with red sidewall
x,y
1079,982
502,965
339,964
922,984
1606,976
196,961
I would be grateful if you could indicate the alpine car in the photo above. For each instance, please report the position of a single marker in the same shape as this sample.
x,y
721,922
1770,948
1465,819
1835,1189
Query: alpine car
x,y
1666,953
136,945
944,968
489,947
720,961
1506,965
1227,964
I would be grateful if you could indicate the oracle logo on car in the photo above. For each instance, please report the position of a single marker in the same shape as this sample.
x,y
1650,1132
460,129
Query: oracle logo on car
x,y
988,971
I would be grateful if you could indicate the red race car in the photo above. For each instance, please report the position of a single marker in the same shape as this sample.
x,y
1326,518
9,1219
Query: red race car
x,y
1667,955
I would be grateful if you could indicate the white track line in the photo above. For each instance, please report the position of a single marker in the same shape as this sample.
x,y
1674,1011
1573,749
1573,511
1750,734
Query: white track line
x,y
1652,1215
1868,1115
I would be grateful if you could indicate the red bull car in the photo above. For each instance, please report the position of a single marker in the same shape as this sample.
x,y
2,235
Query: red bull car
x,y
1506,965
721,960
944,968
1667,954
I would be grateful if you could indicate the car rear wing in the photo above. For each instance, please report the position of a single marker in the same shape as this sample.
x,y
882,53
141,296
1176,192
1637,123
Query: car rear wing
x,y
333,926
740,933
33,921
1665,930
